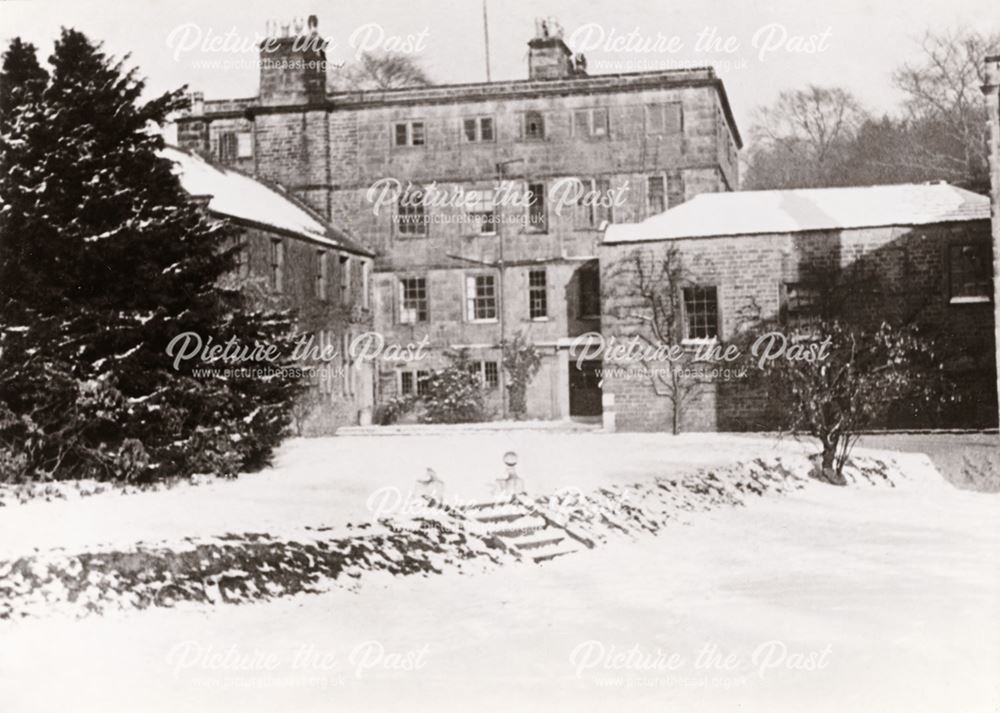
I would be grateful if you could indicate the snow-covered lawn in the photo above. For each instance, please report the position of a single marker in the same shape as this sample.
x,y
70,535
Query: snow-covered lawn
x,y
329,482
890,596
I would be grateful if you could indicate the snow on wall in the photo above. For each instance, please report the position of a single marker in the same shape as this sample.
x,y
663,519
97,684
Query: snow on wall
x,y
246,567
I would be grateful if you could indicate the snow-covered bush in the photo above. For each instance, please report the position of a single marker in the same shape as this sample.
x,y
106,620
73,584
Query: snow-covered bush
x,y
391,410
853,377
454,394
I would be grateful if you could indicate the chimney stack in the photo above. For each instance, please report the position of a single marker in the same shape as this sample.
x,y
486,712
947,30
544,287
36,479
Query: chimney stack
x,y
293,64
197,100
548,55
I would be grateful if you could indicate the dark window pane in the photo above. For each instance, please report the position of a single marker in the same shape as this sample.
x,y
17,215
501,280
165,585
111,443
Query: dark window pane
x,y
417,131
969,271
701,310
537,217
534,125
537,295
590,293
491,374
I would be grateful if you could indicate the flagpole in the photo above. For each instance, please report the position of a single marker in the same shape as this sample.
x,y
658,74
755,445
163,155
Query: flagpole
x,y
486,36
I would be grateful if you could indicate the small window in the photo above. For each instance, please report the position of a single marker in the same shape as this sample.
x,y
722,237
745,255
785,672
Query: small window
x,y
534,126
491,374
481,298
482,212
478,129
537,215
589,293
407,382
414,383
278,265
538,301
969,273
665,119
675,188
486,129
656,195
228,146
417,133
345,280
595,204
701,313
591,123
487,372
802,306
412,300
411,214
604,209
244,145
242,256
321,274
409,133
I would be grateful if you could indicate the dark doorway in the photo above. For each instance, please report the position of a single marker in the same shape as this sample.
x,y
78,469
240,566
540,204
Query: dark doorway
x,y
584,389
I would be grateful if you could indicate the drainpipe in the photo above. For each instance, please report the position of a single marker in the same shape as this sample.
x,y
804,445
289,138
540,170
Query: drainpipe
x,y
991,88
502,297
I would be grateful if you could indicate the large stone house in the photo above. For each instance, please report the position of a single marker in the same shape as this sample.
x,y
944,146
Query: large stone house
x,y
919,253
503,191
293,258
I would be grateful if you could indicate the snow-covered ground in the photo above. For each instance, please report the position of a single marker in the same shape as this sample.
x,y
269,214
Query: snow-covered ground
x,y
329,482
828,599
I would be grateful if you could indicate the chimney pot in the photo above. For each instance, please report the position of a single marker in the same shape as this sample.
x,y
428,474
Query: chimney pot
x,y
992,71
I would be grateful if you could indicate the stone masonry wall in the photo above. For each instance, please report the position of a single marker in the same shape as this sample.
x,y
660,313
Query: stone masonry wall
x,y
909,262
339,389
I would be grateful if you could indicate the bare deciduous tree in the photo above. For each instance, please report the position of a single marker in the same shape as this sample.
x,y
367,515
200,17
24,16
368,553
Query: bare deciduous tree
x,y
798,141
649,307
374,71
943,95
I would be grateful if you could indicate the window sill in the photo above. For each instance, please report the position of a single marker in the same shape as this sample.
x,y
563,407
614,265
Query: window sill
x,y
695,343
539,319
483,321
972,300
588,317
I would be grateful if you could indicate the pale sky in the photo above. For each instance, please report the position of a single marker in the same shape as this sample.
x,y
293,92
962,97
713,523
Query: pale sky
x,y
858,42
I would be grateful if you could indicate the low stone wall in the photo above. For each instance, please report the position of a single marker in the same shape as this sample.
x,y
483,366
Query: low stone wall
x,y
256,566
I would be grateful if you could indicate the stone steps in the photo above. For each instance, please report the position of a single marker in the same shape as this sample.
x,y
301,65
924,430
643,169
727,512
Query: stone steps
x,y
522,529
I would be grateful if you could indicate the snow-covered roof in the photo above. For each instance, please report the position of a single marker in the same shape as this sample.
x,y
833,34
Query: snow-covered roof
x,y
805,209
235,195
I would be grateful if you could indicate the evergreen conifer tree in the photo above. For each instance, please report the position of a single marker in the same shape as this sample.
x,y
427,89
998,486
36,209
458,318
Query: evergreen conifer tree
x,y
109,261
